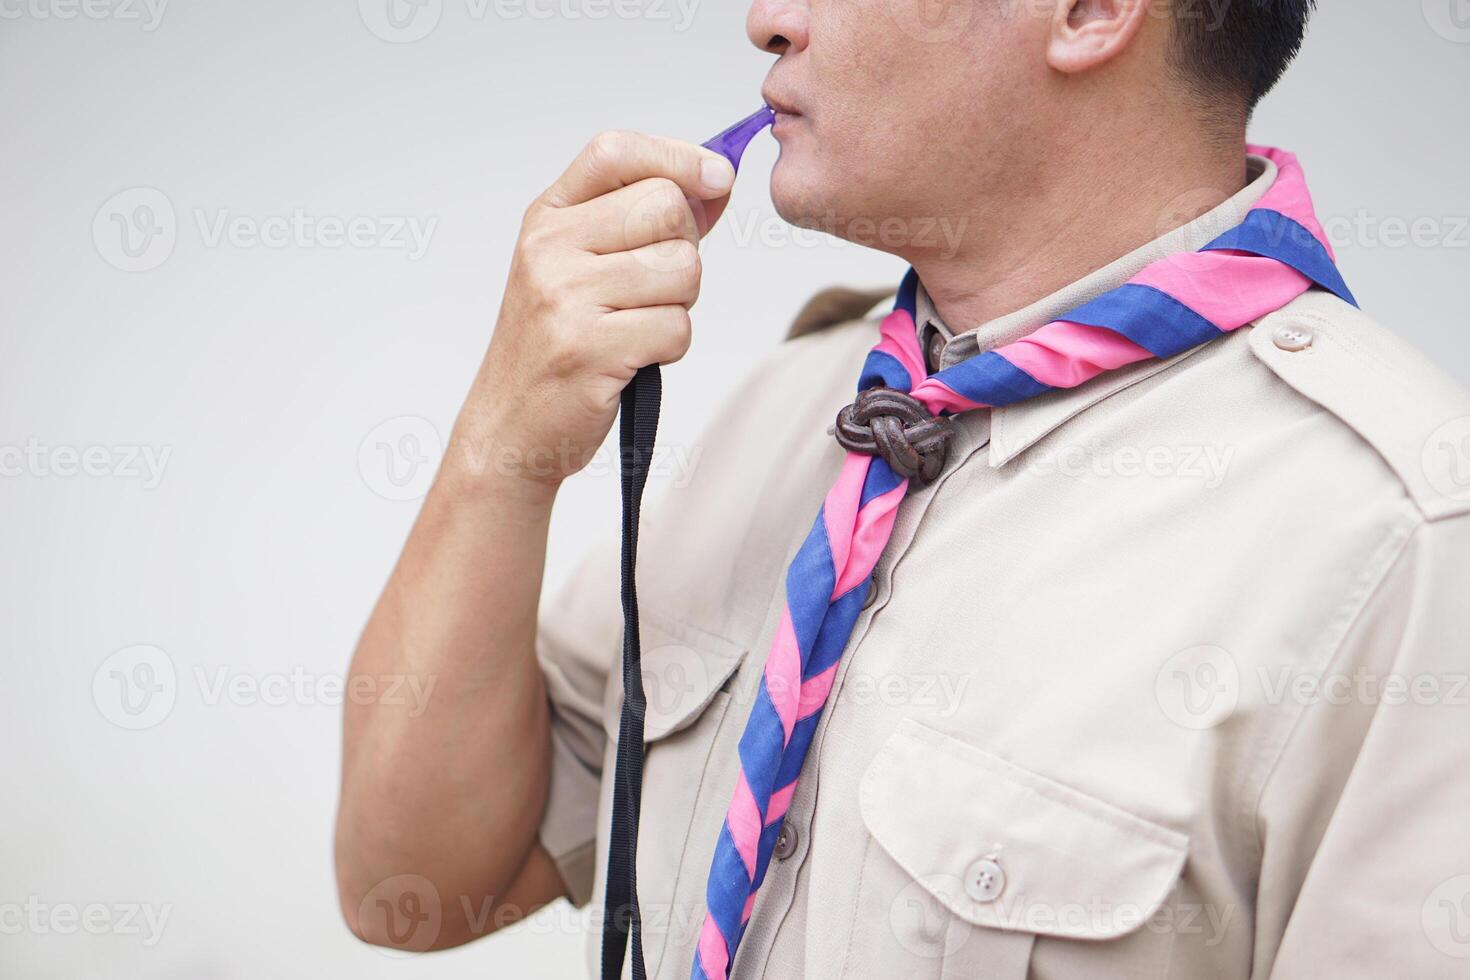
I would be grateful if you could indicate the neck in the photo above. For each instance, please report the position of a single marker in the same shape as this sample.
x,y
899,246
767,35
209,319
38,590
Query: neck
x,y
1086,205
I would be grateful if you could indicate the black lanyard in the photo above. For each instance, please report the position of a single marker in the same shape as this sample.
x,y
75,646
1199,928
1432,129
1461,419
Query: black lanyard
x,y
637,428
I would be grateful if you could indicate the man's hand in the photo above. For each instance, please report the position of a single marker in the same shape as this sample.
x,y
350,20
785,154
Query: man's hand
x,y
450,800
605,272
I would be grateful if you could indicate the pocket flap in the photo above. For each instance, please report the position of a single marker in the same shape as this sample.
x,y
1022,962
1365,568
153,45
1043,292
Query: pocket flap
x,y
683,668
1005,848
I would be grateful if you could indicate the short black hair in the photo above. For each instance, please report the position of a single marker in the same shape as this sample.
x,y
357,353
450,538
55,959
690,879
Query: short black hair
x,y
1238,49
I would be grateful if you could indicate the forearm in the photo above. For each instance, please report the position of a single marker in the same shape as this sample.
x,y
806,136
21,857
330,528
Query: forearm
x,y
451,785
453,788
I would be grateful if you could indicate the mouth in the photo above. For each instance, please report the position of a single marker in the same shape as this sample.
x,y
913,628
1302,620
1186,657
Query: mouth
x,y
782,106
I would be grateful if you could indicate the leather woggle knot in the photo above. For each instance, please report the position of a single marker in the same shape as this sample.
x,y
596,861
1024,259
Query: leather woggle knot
x,y
895,425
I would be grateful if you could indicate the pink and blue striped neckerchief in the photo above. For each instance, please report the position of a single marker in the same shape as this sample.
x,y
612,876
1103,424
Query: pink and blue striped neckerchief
x,y
1179,302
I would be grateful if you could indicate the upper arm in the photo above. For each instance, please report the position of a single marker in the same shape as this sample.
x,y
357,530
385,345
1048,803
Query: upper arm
x,y
1367,806
578,644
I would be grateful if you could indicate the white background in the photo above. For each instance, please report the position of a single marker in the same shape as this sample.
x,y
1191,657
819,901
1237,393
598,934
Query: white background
x,y
262,370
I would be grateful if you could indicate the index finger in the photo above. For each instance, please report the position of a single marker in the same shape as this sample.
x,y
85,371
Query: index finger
x,y
616,159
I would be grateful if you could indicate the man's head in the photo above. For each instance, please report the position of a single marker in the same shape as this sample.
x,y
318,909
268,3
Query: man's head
x,y
1237,50
921,110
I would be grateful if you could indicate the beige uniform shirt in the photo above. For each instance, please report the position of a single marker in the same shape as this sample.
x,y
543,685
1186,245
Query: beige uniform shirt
x,y
1165,677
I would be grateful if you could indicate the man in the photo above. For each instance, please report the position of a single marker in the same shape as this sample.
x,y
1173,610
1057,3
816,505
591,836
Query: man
x,y
1161,676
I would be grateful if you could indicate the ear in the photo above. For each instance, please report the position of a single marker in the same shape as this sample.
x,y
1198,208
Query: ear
x,y
1088,33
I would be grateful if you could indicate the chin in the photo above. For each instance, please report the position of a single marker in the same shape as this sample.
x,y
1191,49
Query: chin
x,y
802,193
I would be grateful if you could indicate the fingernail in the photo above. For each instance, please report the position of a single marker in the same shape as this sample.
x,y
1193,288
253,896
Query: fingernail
x,y
717,174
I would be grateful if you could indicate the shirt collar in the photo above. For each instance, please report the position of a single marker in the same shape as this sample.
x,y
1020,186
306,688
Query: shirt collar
x,y
1016,428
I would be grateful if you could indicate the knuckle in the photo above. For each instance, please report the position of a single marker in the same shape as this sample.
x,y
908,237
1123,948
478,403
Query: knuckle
x,y
536,235
666,211
679,333
546,276
666,197
683,326
684,257
688,266
608,146
562,349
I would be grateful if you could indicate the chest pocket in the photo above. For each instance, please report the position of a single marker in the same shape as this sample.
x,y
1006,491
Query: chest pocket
x,y
977,860
685,671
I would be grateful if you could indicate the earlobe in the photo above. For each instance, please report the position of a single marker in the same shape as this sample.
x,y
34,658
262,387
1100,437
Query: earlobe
x,y
1088,33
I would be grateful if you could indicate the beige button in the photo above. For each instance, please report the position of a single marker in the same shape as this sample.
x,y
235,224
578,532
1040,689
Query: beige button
x,y
1294,338
985,879
872,595
785,842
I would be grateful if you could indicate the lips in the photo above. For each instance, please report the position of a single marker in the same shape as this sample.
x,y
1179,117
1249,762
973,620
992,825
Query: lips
x,y
779,102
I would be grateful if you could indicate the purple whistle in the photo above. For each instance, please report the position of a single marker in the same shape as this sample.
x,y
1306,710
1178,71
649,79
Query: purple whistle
x,y
732,142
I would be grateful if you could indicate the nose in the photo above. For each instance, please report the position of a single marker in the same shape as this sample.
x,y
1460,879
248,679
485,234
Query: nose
x,y
779,26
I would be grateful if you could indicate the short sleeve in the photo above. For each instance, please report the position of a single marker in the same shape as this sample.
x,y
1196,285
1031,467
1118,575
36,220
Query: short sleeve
x,y
577,645
1366,850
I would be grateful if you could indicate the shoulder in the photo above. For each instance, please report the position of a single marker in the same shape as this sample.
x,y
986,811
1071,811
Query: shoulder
x,y
835,306
1413,415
